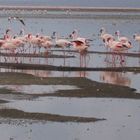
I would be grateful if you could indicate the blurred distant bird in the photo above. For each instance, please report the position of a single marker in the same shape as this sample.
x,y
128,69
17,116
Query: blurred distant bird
x,y
16,18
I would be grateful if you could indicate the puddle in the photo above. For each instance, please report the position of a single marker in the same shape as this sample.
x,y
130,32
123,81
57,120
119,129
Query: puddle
x,y
38,89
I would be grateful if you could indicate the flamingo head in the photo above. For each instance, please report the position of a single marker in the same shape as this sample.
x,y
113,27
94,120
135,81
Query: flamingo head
x,y
117,33
74,34
37,35
134,36
70,36
102,30
29,35
75,31
7,31
53,35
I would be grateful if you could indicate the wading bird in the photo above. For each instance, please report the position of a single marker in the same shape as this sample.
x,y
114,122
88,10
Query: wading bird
x,y
18,19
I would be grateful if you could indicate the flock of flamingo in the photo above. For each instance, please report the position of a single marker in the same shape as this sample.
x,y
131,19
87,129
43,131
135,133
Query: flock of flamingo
x,y
17,44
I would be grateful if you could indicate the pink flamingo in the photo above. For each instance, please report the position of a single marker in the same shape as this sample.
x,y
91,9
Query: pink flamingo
x,y
11,46
118,46
33,40
61,43
47,44
105,36
80,44
122,39
75,37
81,47
137,38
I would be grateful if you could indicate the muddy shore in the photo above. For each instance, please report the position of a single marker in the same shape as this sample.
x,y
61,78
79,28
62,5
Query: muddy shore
x,y
86,88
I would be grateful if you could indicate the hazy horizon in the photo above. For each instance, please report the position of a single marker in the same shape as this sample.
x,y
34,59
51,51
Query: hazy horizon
x,y
87,3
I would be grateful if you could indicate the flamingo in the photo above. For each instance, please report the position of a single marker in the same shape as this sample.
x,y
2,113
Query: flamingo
x,y
60,42
118,46
16,18
122,39
137,38
75,37
105,36
46,41
11,46
81,44
82,49
47,44
33,40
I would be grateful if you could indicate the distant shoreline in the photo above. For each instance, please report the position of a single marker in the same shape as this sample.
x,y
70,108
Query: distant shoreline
x,y
70,8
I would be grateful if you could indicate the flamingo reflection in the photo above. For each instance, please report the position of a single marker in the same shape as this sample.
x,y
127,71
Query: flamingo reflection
x,y
112,77
116,78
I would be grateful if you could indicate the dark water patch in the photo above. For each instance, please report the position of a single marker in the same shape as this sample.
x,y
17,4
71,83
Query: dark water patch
x,y
18,114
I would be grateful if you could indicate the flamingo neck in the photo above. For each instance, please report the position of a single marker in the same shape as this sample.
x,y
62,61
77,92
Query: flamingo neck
x,y
6,37
29,36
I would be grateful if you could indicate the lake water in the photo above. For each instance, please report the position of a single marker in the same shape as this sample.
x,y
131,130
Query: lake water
x,y
88,28
122,114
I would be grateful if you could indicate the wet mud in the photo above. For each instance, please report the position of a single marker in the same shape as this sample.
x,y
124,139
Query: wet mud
x,y
87,88
65,68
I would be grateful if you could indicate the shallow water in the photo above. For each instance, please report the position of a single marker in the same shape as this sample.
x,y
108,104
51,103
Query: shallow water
x,y
44,26
124,126
122,114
